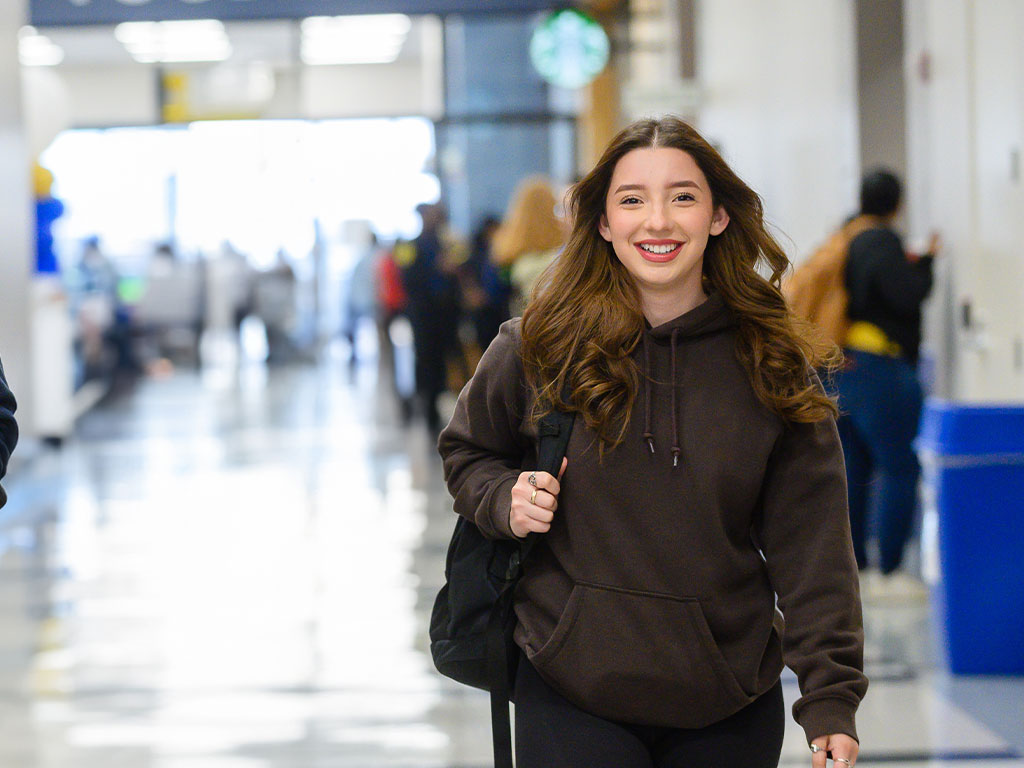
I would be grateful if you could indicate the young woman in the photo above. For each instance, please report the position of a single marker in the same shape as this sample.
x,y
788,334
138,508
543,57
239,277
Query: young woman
x,y
704,478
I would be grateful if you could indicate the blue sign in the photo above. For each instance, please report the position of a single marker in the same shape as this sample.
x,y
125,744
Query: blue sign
x,y
62,13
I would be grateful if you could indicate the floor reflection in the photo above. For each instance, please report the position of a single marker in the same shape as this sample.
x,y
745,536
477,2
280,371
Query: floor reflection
x,y
235,570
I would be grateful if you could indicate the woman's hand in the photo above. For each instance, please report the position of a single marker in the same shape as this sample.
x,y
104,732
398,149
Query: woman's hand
x,y
843,748
534,501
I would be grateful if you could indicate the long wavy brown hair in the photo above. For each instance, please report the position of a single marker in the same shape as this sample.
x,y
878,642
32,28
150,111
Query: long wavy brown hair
x,y
585,320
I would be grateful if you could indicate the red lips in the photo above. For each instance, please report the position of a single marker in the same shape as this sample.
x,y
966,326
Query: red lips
x,y
658,258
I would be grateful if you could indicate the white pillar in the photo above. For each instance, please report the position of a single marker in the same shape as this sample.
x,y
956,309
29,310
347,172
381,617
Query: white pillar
x,y
778,85
965,80
16,219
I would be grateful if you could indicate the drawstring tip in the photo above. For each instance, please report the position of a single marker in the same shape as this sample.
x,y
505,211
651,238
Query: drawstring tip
x,y
675,457
650,443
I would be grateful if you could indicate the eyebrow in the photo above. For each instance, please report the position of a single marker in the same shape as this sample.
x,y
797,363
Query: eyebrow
x,y
672,185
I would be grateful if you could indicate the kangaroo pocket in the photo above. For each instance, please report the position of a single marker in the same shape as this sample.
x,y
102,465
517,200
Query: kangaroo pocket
x,y
639,657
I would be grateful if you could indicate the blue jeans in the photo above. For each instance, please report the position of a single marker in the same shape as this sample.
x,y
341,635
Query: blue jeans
x,y
880,401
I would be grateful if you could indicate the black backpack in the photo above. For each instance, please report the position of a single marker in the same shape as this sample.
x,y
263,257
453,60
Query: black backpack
x,y
472,621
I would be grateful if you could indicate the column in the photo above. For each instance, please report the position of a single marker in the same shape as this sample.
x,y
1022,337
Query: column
x,y
16,219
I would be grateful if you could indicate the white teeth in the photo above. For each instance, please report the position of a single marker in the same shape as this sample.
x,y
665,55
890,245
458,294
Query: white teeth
x,y
658,248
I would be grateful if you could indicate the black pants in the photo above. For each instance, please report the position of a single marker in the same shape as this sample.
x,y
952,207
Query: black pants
x,y
552,733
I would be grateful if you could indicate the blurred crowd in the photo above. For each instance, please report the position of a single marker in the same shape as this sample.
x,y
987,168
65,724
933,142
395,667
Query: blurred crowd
x,y
452,291
455,295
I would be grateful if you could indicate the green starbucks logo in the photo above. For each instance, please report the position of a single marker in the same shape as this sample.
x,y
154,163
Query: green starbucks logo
x,y
569,49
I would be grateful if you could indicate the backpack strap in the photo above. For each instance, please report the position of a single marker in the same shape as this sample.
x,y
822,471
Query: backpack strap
x,y
554,431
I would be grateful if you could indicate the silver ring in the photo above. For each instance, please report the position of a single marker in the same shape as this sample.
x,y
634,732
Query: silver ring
x,y
533,479
815,749
841,760
533,496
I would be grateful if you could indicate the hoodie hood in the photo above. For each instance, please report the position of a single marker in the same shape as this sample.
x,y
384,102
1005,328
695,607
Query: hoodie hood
x,y
709,317
712,316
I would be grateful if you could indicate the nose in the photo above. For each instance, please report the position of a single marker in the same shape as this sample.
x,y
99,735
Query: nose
x,y
657,221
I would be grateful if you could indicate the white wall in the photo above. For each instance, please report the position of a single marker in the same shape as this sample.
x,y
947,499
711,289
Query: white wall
x,y
128,94
965,135
16,217
779,100
109,90
365,90
881,87
112,95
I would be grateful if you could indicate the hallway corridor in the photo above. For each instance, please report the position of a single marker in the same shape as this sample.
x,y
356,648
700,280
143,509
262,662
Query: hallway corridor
x,y
235,569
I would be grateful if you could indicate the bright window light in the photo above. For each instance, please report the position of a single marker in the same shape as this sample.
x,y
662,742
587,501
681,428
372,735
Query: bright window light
x,y
271,182
372,39
36,50
150,42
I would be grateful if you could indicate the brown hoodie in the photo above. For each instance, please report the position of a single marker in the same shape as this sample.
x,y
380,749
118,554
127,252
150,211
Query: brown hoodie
x,y
652,599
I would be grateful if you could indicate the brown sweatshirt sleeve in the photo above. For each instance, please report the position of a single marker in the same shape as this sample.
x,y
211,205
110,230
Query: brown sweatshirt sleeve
x,y
483,446
804,533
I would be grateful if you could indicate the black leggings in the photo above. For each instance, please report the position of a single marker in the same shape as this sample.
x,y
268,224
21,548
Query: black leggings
x,y
552,733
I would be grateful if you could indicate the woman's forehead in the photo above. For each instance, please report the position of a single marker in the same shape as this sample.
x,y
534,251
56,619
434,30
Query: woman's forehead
x,y
657,165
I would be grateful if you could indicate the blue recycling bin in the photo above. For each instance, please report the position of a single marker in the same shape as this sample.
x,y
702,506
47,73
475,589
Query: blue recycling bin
x,y
973,457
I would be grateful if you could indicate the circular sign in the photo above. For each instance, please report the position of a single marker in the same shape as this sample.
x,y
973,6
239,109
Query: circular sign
x,y
569,48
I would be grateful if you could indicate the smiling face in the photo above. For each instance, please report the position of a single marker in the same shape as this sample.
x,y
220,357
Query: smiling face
x,y
658,217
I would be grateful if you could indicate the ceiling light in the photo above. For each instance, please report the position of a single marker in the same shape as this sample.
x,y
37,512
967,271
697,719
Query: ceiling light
x,y
370,39
151,42
35,50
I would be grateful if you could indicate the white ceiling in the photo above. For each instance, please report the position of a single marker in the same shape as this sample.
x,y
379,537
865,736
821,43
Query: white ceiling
x,y
273,42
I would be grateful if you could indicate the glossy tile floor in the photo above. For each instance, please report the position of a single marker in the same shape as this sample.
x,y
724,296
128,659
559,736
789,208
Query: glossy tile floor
x,y
234,569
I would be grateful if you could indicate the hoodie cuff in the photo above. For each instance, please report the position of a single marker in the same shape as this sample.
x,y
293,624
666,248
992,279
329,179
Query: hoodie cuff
x,y
499,508
825,717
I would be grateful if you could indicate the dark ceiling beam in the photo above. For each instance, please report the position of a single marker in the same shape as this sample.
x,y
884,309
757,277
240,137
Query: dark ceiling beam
x,y
60,13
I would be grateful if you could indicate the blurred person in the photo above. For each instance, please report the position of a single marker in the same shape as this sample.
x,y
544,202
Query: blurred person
x,y
96,273
666,587
238,283
816,289
48,210
428,275
104,319
170,314
392,301
94,305
274,293
879,392
529,238
361,293
8,428
485,290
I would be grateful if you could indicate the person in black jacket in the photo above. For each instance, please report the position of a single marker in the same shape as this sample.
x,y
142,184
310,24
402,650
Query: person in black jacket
x,y
429,277
879,393
8,427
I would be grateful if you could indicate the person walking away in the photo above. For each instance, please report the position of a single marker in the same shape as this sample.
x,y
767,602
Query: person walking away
x,y
697,536
485,290
529,238
816,290
879,392
432,291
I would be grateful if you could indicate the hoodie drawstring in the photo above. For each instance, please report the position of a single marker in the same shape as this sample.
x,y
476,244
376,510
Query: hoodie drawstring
x,y
648,435
675,410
